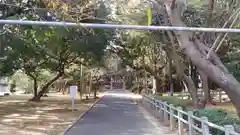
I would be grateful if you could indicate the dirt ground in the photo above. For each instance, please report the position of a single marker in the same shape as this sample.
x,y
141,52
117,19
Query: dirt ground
x,y
51,116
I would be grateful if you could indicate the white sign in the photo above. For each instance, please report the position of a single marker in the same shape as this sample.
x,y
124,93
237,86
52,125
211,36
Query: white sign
x,y
73,91
73,94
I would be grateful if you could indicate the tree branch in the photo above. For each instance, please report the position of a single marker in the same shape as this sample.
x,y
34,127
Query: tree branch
x,y
219,36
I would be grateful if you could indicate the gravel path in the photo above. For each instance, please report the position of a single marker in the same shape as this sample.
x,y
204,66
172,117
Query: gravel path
x,y
116,114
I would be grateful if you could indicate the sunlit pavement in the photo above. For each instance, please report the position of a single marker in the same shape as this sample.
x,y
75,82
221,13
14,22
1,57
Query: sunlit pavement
x,y
122,94
115,114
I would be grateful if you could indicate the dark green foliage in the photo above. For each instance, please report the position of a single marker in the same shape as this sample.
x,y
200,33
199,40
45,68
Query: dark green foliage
x,y
34,49
234,67
216,116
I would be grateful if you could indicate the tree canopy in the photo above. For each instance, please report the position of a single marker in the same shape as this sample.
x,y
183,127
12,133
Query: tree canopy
x,y
35,49
171,57
212,56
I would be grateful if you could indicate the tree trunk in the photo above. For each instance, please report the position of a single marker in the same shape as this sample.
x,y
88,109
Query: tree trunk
x,y
158,86
35,87
194,75
205,88
171,52
95,93
154,85
213,67
81,91
193,90
90,87
64,87
170,76
45,88
187,78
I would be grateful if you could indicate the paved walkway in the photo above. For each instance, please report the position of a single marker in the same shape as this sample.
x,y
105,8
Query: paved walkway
x,y
116,114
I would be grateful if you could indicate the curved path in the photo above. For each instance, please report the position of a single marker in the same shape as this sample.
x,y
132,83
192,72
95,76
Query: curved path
x,y
116,114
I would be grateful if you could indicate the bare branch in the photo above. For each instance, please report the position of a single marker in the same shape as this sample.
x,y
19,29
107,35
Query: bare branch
x,y
220,43
219,36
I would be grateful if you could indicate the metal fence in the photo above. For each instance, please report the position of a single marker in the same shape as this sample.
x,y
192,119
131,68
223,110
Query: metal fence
x,y
117,26
178,119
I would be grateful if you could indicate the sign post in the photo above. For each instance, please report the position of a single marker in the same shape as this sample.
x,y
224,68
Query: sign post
x,y
73,94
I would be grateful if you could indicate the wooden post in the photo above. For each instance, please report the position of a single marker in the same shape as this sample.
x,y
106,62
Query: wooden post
x,y
228,129
180,123
172,119
190,123
153,102
165,114
148,104
205,127
143,101
157,108
161,110
153,107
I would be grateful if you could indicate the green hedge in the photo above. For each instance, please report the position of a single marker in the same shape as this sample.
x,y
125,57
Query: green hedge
x,y
218,117
184,103
215,115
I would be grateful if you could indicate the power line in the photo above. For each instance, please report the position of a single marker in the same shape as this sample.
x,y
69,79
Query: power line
x,y
116,26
